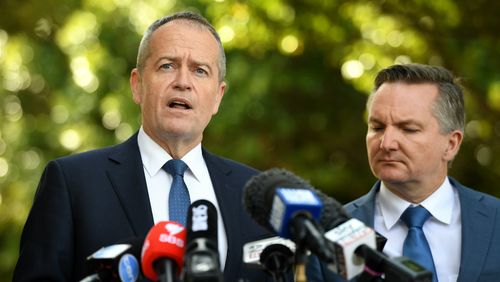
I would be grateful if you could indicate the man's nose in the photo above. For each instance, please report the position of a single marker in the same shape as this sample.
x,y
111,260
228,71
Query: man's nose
x,y
389,140
183,79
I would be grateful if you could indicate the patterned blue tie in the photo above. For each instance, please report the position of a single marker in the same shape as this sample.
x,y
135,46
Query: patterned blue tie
x,y
178,199
415,245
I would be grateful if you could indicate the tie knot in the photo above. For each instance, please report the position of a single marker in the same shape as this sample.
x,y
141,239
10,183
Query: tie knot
x,y
175,167
415,216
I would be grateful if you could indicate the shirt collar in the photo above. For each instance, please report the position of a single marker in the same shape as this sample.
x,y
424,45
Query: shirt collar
x,y
440,204
154,156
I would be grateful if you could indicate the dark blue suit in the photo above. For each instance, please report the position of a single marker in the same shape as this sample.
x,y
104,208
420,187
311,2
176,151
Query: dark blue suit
x,y
480,259
98,198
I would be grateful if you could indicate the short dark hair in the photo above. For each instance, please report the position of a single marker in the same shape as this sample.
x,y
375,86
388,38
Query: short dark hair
x,y
192,17
449,107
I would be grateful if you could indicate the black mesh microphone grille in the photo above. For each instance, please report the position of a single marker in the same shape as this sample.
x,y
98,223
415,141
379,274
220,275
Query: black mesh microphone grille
x,y
259,192
201,221
333,213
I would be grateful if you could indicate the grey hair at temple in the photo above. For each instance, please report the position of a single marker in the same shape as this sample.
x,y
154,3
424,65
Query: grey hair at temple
x,y
449,107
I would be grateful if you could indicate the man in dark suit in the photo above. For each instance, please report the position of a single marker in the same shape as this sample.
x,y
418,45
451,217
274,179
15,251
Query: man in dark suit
x,y
99,198
416,121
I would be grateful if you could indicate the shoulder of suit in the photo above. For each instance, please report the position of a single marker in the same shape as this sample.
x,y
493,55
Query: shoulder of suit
x,y
353,205
232,164
468,192
127,147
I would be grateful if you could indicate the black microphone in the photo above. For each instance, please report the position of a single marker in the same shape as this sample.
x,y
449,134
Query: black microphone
x,y
119,262
275,255
201,257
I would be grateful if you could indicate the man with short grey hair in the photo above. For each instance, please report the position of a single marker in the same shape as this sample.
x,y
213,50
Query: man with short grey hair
x,y
102,197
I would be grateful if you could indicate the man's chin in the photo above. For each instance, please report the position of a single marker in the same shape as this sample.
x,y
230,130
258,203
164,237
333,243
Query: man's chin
x,y
392,177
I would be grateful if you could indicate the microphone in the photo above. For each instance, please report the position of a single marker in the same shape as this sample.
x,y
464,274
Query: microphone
x,y
162,253
285,204
201,258
116,262
356,249
274,254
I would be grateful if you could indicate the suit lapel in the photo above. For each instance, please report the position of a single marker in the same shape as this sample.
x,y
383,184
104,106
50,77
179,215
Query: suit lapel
x,y
364,208
229,200
477,226
477,232
126,174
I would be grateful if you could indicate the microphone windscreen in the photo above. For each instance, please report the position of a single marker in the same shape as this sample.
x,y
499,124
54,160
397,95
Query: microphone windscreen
x,y
259,192
166,240
202,221
333,213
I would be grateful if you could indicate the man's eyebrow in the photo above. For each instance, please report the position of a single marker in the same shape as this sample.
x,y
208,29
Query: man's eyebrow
x,y
200,63
167,58
374,120
191,61
409,122
399,123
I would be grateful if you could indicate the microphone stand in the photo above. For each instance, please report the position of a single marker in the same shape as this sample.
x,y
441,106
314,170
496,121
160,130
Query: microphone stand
x,y
166,270
300,234
300,264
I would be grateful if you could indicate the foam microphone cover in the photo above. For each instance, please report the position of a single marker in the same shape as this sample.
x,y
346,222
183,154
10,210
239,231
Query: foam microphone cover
x,y
166,240
333,213
202,222
259,192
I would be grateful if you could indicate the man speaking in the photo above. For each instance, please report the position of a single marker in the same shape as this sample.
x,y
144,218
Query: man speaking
x,y
95,199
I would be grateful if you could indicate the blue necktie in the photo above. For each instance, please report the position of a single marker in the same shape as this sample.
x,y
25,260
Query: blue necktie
x,y
416,246
178,199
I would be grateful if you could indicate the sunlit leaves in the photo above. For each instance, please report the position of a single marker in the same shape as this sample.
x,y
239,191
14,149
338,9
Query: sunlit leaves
x,y
79,32
494,95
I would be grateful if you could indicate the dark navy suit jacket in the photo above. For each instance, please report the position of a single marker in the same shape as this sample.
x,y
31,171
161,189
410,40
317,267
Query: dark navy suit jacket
x,y
98,198
480,259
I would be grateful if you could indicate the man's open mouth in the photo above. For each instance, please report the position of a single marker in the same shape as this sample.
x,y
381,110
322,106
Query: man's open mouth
x,y
179,104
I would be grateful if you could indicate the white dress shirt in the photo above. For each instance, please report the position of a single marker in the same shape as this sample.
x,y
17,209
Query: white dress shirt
x,y
443,229
196,177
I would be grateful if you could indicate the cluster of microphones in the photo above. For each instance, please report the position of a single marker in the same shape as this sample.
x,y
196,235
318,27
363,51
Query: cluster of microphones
x,y
304,220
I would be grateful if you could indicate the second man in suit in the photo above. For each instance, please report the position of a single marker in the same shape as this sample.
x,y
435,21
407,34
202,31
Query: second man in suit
x,y
416,121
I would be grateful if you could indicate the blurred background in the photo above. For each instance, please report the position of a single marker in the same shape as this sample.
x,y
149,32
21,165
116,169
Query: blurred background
x,y
298,72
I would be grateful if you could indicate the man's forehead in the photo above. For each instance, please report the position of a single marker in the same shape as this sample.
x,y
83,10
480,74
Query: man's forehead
x,y
186,36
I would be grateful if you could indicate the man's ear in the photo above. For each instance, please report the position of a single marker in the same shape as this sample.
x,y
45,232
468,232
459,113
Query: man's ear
x,y
135,86
218,97
454,142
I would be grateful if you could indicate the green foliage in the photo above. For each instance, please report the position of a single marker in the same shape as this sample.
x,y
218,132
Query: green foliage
x,y
298,73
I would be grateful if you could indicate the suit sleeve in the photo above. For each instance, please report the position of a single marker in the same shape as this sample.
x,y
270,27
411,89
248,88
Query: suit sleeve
x,y
46,247
317,271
